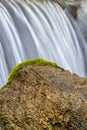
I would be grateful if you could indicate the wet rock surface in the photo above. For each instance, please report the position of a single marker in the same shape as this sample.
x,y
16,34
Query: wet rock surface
x,y
44,98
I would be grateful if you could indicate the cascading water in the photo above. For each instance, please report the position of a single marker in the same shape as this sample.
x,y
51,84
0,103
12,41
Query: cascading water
x,y
34,29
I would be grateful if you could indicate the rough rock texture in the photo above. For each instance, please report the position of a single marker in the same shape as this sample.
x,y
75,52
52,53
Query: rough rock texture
x,y
44,98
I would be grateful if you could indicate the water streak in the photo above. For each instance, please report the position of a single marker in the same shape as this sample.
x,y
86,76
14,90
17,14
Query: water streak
x,y
34,29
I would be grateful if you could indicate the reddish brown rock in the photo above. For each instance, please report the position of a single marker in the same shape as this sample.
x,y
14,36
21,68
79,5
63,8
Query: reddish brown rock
x,y
44,98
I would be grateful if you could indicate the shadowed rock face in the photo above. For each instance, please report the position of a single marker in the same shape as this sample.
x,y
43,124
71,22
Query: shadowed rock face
x,y
44,98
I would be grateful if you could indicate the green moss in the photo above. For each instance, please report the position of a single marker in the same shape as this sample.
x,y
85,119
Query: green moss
x,y
34,62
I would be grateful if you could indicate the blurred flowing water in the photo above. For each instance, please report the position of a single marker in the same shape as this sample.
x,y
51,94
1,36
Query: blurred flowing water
x,y
34,29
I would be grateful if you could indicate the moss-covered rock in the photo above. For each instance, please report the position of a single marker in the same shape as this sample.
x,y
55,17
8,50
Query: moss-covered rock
x,y
34,62
43,97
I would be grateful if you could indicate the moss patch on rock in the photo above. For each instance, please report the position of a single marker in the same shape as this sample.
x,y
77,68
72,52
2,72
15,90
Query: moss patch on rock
x,y
34,62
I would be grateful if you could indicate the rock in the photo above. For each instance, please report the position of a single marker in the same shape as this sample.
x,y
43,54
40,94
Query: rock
x,y
42,96
72,6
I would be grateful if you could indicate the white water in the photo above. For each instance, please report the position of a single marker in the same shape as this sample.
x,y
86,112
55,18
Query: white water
x,y
41,30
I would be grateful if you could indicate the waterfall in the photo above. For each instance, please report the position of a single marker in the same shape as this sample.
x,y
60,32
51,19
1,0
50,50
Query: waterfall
x,y
34,29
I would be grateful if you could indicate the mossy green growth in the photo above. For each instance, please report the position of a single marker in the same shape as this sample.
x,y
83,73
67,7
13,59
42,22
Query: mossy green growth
x,y
34,62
